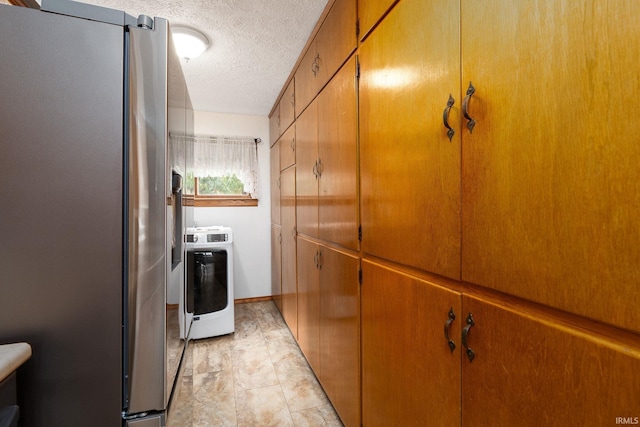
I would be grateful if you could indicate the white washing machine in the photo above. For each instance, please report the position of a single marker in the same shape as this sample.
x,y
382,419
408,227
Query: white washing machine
x,y
209,281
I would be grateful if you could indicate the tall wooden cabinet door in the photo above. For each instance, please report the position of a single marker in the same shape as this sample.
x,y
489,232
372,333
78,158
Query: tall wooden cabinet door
x,y
551,185
276,265
338,159
274,158
370,12
529,371
336,39
309,302
340,332
305,79
410,170
307,171
410,375
288,216
287,106
288,148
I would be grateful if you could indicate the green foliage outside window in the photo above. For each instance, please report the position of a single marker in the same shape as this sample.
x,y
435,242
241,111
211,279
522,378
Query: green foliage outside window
x,y
220,185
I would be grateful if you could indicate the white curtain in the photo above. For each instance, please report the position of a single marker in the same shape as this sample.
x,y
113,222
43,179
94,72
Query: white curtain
x,y
226,155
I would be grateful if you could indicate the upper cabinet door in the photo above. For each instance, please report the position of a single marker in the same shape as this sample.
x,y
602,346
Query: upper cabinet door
x,y
274,125
551,183
306,80
336,39
287,107
338,159
274,154
370,12
410,170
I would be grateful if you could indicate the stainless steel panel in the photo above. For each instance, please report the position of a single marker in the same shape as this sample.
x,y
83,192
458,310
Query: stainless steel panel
x,y
147,174
61,225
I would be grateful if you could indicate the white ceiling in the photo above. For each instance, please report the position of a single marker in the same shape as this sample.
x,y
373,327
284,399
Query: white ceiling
x,y
254,46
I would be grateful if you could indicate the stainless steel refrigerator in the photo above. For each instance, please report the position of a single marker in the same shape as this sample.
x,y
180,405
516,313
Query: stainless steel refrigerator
x,y
89,197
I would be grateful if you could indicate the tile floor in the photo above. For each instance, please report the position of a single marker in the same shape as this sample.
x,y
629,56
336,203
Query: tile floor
x,y
254,377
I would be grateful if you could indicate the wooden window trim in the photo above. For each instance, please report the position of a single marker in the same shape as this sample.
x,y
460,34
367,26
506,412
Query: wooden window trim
x,y
207,201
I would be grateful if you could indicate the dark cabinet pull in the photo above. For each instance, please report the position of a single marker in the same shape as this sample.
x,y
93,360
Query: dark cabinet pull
x,y
315,170
465,335
445,117
293,144
465,107
447,327
315,258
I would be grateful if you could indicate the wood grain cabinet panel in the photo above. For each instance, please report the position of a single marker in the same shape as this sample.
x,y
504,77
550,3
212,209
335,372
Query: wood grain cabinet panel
x,y
274,125
287,107
410,376
410,170
529,371
340,332
551,183
370,12
338,159
274,164
309,302
329,323
288,216
288,148
336,39
332,45
306,171
276,265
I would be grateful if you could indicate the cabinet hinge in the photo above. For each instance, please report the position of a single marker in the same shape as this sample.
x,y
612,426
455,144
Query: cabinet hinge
x,y
360,276
357,27
360,233
357,68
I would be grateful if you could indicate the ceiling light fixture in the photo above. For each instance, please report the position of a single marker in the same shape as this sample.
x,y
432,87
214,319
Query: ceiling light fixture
x,y
189,43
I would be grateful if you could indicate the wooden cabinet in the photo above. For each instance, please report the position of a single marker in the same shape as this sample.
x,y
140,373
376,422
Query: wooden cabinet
x,y
550,172
274,172
288,216
287,107
283,114
336,40
276,265
288,148
410,375
307,173
338,159
370,12
340,332
332,45
326,173
329,323
308,255
410,169
274,125
530,370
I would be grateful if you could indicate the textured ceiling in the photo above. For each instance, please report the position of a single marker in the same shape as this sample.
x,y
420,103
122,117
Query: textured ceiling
x,y
254,46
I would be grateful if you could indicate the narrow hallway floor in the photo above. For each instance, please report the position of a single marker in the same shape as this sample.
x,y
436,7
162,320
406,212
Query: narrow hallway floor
x,y
256,377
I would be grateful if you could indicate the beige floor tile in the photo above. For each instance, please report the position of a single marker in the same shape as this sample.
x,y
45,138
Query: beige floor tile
x,y
214,400
252,368
315,417
265,407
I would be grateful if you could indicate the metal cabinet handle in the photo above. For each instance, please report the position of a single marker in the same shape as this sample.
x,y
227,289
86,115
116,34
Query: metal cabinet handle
x,y
315,258
280,238
319,262
319,167
465,107
293,144
447,327
293,233
465,335
445,117
315,169
293,99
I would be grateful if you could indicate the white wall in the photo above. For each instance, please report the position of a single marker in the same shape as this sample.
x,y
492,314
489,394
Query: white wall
x,y
251,225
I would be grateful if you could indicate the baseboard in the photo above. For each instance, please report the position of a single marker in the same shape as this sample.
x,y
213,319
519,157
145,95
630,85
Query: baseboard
x,y
256,299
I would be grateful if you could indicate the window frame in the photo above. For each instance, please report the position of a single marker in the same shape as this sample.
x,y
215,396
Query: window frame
x,y
223,200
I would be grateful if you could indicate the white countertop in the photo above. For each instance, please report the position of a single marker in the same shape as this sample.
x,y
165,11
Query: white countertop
x,y
12,356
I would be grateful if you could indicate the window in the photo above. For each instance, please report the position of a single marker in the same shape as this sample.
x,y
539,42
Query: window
x,y
225,170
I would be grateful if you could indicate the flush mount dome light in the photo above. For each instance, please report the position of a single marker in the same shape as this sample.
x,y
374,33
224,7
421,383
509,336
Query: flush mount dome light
x,y
189,43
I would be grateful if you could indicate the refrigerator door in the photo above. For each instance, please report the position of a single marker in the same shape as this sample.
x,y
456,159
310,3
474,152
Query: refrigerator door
x,y
61,207
145,356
